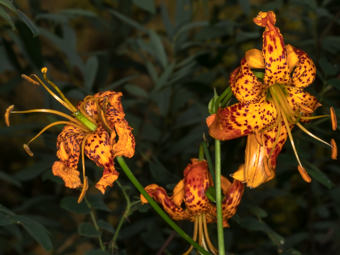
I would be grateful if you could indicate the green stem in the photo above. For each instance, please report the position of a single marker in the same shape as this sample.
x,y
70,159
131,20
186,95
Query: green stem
x,y
220,237
95,224
208,157
156,207
124,216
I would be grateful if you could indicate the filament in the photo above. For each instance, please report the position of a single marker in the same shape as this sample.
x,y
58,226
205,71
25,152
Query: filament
x,y
73,120
311,134
194,237
85,184
65,104
207,238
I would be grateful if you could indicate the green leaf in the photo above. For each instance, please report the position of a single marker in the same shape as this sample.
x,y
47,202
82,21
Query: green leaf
x,y
106,226
7,178
70,204
136,90
160,173
91,69
33,171
78,12
36,230
98,203
158,48
128,21
334,83
29,23
211,194
6,220
7,18
87,229
318,175
165,76
97,252
148,5
9,5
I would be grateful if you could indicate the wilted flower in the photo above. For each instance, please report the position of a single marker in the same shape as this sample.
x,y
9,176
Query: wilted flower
x,y
191,191
269,87
97,129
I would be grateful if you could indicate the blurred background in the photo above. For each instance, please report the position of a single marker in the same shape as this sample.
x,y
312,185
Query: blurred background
x,y
166,57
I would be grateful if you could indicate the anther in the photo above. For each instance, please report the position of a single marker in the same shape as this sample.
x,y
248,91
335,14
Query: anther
x,y
304,174
334,149
44,70
333,118
7,113
28,150
29,79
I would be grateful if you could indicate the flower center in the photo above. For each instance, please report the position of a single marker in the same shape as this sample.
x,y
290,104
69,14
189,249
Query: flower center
x,y
288,117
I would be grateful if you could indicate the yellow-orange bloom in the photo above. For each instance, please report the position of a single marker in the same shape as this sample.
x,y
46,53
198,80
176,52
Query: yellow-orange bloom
x,y
97,129
269,87
191,191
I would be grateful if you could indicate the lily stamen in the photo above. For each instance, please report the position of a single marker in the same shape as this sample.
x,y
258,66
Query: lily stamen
x,y
207,238
85,182
26,145
312,135
194,236
334,149
333,118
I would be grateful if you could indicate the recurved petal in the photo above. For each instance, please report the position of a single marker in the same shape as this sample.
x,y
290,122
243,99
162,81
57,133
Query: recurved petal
x,y
159,194
301,101
98,148
196,182
69,175
68,145
305,70
260,156
232,198
244,84
125,145
178,193
255,59
241,119
274,51
292,57
110,103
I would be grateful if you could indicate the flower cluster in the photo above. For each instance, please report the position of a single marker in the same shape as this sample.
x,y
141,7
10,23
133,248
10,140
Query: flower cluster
x,y
269,86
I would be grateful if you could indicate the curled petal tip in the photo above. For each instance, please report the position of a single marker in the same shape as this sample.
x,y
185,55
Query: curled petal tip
x,y
29,79
255,59
7,113
28,150
209,120
334,155
304,174
263,19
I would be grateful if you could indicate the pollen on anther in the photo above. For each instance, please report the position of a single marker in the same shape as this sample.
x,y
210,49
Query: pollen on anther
x,y
28,150
334,149
333,118
7,113
304,174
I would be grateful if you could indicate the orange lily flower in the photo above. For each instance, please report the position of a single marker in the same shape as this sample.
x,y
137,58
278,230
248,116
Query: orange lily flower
x,y
269,87
97,129
198,209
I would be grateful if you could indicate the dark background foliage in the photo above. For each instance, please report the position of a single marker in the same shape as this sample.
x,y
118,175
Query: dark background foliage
x,y
166,57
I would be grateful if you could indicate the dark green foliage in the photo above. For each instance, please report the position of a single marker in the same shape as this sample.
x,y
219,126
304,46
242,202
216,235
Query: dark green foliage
x,y
166,57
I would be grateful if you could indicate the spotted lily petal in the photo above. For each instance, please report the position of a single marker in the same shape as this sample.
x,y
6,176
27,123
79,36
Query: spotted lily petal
x,y
125,145
232,198
301,101
274,51
98,148
159,194
244,84
196,182
68,151
241,119
305,70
